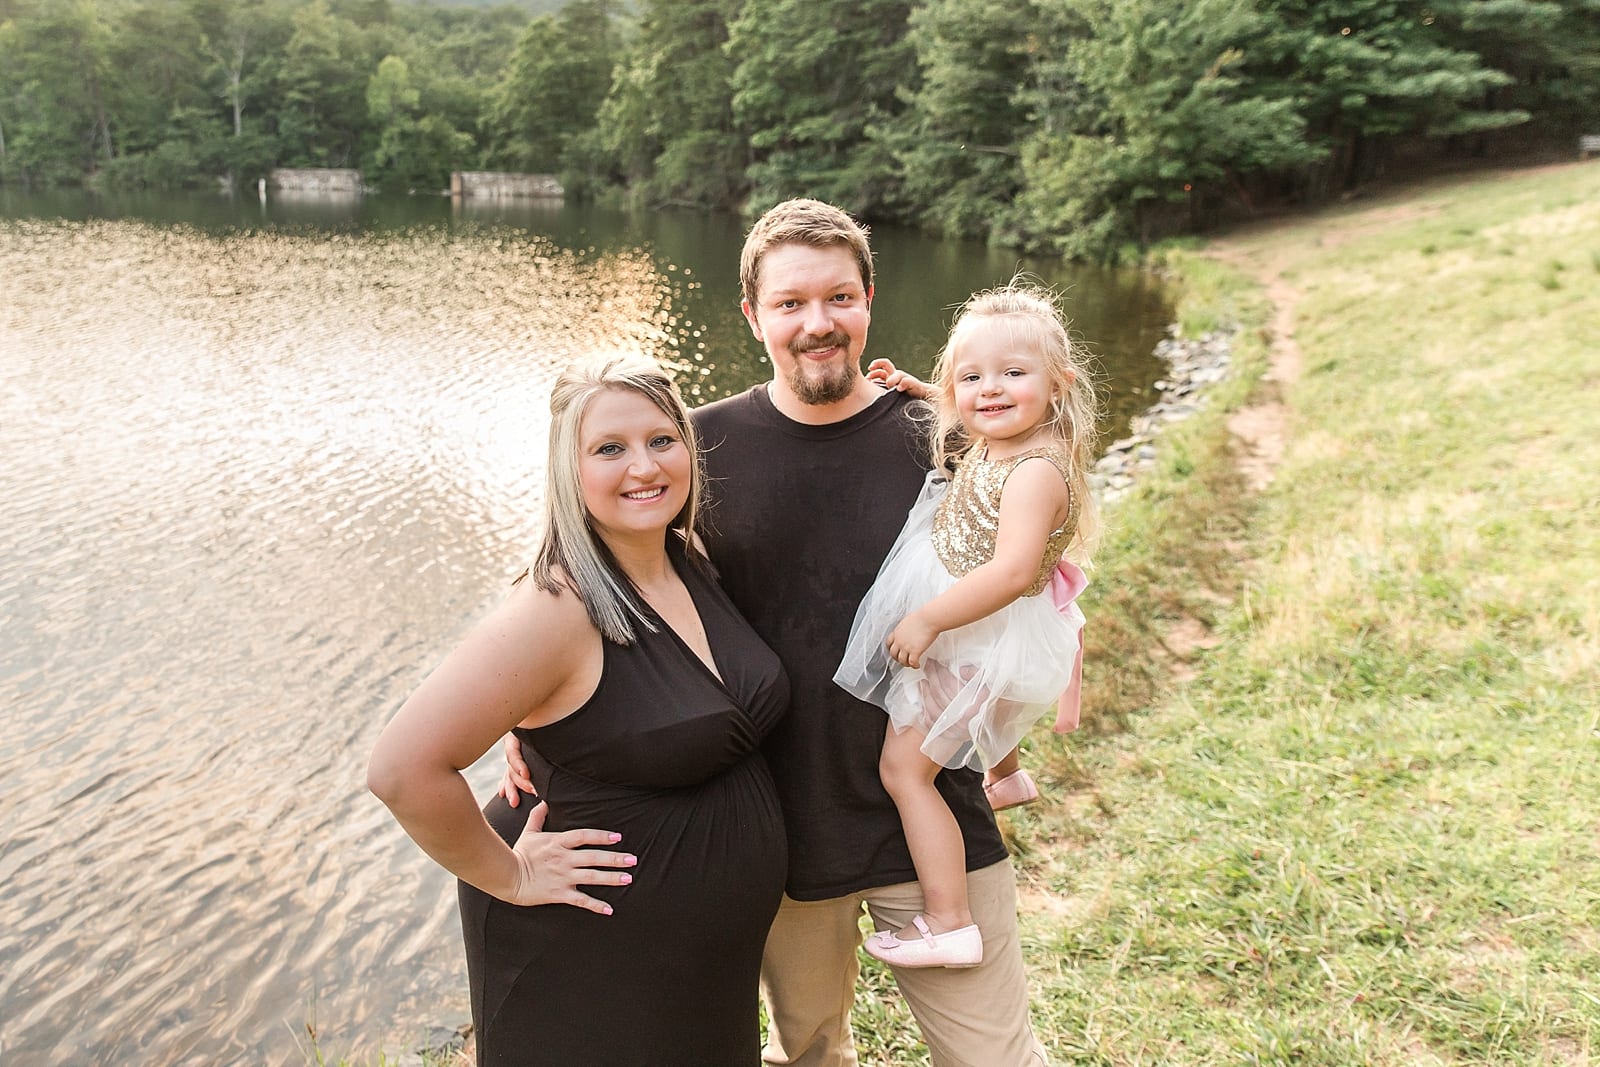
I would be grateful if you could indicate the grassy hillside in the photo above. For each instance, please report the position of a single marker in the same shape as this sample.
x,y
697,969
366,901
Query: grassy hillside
x,y
1367,829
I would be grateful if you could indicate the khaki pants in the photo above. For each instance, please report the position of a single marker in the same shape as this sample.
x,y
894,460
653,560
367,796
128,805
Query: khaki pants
x,y
974,1017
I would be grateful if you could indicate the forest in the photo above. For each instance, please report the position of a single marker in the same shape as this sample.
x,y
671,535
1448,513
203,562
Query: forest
x,y
1083,128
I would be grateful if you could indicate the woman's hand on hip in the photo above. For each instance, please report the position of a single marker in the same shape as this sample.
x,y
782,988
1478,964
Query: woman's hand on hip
x,y
551,866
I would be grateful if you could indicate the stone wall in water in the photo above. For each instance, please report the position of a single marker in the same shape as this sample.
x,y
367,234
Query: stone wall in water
x,y
315,179
491,183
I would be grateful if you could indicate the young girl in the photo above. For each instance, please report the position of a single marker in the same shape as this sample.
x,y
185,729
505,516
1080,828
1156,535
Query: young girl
x,y
969,634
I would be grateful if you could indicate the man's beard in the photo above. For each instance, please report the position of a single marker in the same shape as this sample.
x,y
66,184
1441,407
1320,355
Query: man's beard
x,y
820,387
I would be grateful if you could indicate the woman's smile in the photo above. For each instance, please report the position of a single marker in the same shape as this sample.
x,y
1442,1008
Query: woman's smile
x,y
633,466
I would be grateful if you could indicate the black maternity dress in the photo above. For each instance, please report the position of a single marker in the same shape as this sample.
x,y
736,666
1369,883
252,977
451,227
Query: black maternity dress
x,y
668,756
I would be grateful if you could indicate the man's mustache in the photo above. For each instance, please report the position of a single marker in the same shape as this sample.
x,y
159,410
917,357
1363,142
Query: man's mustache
x,y
836,339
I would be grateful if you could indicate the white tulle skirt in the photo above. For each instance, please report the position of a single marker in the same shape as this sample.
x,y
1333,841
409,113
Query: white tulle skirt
x,y
980,687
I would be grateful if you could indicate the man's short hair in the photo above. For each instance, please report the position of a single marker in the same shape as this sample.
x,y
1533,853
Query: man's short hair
x,y
802,222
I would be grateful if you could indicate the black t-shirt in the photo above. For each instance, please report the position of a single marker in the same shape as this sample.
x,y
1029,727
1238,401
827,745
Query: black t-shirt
x,y
798,520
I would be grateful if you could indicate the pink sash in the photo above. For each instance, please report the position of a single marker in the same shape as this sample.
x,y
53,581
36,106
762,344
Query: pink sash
x,y
1065,585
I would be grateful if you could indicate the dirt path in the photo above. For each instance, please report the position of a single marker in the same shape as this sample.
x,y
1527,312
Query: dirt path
x,y
1261,430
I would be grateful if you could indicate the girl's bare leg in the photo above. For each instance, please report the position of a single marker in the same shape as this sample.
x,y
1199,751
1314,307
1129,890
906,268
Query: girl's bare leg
x,y
932,833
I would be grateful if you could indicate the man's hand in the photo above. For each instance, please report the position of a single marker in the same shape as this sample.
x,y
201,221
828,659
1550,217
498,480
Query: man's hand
x,y
517,779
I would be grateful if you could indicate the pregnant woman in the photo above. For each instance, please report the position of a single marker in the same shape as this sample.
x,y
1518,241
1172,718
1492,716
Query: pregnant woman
x,y
620,919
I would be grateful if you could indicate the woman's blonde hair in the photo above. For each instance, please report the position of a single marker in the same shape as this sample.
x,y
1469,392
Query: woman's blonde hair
x,y
1034,323
573,556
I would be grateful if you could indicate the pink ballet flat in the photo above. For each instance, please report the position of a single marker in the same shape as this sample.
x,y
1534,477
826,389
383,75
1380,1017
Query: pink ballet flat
x,y
1012,791
953,948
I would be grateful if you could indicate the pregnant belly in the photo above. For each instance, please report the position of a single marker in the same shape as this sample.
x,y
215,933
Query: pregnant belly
x,y
719,844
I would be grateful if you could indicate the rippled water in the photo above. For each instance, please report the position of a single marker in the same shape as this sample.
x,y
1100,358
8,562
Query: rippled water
x,y
255,481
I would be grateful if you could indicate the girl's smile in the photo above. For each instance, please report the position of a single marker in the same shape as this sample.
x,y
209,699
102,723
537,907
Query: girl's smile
x,y
1002,391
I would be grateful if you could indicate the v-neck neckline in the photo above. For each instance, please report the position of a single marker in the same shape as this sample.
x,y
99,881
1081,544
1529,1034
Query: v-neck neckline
x,y
711,669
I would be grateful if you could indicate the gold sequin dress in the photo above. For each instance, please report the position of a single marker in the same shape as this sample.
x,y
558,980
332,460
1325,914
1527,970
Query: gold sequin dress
x,y
981,687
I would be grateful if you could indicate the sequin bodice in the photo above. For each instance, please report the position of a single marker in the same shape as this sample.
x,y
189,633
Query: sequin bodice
x,y
965,523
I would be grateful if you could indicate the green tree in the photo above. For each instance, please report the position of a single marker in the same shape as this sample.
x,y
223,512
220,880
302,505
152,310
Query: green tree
x,y
813,77
668,121
414,149
161,112
1165,124
241,42
322,87
1549,48
364,12
457,56
54,103
1367,73
553,88
957,141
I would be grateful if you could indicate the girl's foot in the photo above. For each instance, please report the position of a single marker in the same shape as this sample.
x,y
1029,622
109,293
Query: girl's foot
x,y
1014,790
962,947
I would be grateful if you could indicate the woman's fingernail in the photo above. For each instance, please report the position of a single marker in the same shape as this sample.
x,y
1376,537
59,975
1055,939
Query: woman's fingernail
x,y
615,838
606,910
627,879
629,861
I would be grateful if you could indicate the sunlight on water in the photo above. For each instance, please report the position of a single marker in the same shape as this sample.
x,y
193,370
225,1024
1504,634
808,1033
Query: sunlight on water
x,y
255,483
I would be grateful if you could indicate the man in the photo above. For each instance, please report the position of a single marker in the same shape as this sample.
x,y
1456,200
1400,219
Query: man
x,y
810,476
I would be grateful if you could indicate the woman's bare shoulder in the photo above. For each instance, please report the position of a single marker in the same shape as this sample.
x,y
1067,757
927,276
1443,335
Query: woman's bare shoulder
x,y
556,614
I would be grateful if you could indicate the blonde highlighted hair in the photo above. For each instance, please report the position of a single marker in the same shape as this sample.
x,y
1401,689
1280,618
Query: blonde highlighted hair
x,y
1034,323
573,557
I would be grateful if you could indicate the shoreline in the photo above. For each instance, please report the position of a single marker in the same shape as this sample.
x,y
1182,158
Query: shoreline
x,y
1193,364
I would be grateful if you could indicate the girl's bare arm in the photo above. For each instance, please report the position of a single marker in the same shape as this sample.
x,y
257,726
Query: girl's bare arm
x,y
1033,505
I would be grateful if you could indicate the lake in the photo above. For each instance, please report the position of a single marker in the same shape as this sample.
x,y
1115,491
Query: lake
x,y
263,461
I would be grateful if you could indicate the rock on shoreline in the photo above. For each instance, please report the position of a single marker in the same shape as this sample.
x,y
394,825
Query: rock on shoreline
x,y
1192,364
441,1045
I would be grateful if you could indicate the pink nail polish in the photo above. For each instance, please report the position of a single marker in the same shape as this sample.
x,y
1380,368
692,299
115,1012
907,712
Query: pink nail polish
x,y
627,879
